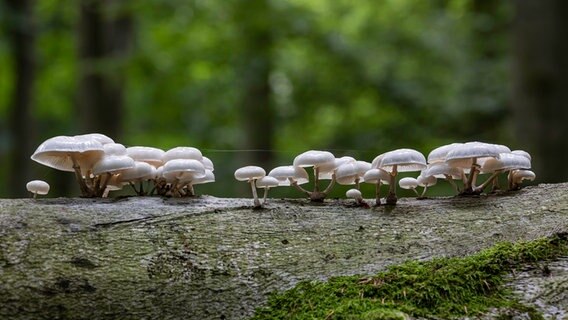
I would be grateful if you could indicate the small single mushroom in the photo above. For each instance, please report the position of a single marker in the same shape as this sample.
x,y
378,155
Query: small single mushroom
x,y
377,177
322,162
105,168
141,172
180,173
441,170
426,181
182,153
208,178
266,183
73,154
291,176
518,176
356,194
251,174
409,183
472,155
400,160
504,162
37,187
150,155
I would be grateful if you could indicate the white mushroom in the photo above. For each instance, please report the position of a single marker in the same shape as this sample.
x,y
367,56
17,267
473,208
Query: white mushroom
x,y
356,194
377,177
426,181
181,172
442,170
251,174
37,187
266,183
141,172
71,154
400,160
504,162
321,161
472,155
105,168
182,153
290,176
409,183
518,176
150,155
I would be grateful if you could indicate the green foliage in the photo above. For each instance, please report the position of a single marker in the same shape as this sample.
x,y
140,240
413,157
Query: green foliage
x,y
440,288
358,78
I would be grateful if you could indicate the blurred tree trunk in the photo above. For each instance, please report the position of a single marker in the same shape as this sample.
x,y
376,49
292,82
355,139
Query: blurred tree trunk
x,y
22,34
257,113
104,39
540,84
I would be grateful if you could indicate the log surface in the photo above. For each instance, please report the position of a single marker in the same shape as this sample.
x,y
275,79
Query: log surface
x,y
213,258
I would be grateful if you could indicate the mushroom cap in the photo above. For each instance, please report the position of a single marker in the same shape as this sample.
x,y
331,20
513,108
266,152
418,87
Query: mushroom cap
x,y
441,169
150,155
522,153
506,161
406,160
114,149
99,137
207,163
113,165
182,153
249,173
38,187
408,183
426,181
208,178
353,194
284,173
184,170
326,170
439,154
373,176
140,171
346,173
58,152
462,156
520,175
315,158
267,182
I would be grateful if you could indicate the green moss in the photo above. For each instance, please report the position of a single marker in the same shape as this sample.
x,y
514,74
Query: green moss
x,y
440,288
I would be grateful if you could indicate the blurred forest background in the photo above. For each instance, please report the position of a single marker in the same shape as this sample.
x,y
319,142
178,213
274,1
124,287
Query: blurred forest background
x,y
280,77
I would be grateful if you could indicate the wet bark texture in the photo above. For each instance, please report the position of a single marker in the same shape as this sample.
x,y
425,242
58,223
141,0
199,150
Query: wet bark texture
x,y
212,258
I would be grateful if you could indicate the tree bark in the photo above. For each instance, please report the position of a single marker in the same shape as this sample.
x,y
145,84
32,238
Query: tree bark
x,y
212,258
540,84
104,40
22,34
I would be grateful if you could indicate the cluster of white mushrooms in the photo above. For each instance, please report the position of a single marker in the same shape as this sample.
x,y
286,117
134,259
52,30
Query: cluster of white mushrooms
x,y
101,165
453,162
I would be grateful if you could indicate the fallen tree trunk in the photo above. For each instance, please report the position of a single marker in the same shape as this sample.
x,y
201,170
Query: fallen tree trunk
x,y
216,258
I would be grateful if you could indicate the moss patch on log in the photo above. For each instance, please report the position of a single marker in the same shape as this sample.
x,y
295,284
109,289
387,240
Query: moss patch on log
x,y
439,288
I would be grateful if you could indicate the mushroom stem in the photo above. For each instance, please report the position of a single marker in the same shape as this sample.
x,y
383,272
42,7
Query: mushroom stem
x,y
488,181
416,192
107,178
468,188
330,186
357,184
295,184
265,195
452,182
34,195
423,191
391,197
378,192
254,194
316,179
84,189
